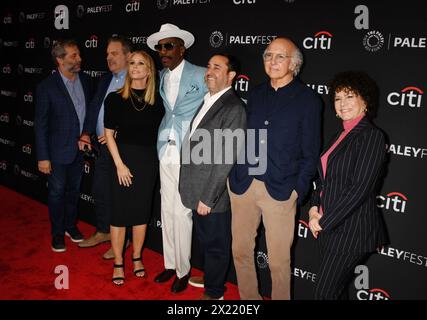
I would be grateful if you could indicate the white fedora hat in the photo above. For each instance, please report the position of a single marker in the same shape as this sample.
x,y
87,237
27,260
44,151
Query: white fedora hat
x,y
169,30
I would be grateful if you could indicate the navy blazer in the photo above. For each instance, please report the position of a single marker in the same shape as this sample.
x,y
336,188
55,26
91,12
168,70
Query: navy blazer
x,y
92,111
293,140
351,221
56,124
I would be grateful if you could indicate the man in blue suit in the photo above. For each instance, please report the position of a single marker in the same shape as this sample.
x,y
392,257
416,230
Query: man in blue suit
x,y
60,112
269,185
182,89
118,52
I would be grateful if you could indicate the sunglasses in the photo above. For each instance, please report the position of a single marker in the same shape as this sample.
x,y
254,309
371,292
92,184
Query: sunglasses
x,y
167,46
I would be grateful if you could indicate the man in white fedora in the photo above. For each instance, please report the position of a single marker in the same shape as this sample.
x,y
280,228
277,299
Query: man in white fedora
x,y
182,89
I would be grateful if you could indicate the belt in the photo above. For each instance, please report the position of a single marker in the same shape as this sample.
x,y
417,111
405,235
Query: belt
x,y
172,142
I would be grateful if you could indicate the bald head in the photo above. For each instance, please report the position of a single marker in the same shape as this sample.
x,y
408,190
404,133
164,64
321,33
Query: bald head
x,y
294,53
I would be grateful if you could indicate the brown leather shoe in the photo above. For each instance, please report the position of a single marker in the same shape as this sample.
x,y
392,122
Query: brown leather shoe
x,y
110,254
94,240
208,297
197,282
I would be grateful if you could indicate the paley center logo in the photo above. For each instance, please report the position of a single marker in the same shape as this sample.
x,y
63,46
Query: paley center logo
x,y
18,171
80,10
407,151
217,39
163,4
404,255
410,96
303,274
322,40
393,201
321,89
133,6
31,16
262,260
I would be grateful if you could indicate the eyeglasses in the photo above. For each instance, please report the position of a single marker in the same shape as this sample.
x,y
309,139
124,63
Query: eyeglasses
x,y
167,46
269,56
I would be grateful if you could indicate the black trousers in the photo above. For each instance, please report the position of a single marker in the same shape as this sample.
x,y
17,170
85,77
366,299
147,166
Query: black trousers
x,y
101,189
214,235
335,274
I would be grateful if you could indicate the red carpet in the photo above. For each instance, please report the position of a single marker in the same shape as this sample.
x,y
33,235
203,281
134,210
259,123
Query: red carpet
x,y
27,264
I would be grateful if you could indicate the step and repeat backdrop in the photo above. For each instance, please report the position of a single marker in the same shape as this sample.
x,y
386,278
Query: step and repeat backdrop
x,y
385,39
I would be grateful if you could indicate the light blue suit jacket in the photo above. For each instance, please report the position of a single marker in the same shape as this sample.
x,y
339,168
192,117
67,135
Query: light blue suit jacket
x,y
192,89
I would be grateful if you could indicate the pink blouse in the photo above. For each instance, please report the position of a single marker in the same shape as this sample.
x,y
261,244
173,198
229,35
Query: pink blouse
x,y
348,126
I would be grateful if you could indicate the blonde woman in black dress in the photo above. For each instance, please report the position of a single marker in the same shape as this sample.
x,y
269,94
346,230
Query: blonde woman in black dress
x,y
132,118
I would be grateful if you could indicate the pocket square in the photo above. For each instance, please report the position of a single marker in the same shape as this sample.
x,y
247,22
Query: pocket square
x,y
193,89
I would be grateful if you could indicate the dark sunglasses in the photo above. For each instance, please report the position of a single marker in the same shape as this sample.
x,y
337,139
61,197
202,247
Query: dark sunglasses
x,y
167,46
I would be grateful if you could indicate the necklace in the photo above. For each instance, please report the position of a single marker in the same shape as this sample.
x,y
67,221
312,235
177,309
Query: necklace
x,y
139,99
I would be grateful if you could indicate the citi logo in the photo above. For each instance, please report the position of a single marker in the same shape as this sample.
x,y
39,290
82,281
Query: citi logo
x,y
92,42
133,6
4,117
321,40
7,19
3,165
394,201
303,228
242,83
30,44
262,260
409,96
28,97
26,148
7,69
373,294
86,167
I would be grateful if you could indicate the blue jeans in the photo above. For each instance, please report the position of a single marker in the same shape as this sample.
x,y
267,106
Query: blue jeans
x,y
63,195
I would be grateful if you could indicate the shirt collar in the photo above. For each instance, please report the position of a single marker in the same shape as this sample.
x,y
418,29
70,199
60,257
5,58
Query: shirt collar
x,y
66,80
350,124
178,70
120,75
216,95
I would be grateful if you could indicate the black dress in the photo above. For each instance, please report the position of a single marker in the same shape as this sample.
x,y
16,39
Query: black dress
x,y
136,140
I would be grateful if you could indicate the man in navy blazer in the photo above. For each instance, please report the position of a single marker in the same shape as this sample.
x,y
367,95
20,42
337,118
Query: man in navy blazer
x,y
118,52
61,102
285,116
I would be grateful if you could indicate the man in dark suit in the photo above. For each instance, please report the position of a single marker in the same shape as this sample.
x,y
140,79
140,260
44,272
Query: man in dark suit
x,y
203,177
118,51
60,112
285,115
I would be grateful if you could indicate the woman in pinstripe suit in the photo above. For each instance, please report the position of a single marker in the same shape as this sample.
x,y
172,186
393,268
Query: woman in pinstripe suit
x,y
343,214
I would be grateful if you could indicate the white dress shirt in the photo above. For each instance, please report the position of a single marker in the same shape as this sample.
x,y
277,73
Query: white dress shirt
x,y
171,83
208,103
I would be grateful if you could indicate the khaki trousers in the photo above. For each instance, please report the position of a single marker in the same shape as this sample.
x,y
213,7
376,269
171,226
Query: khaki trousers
x,y
279,221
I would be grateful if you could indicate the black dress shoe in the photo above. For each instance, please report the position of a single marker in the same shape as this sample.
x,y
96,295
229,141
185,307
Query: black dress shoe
x,y
164,276
180,284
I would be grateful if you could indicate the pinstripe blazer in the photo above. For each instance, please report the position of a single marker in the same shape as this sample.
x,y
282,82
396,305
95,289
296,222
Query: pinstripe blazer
x,y
351,221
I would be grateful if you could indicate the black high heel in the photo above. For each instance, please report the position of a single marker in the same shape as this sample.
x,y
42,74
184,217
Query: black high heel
x,y
138,271
115,279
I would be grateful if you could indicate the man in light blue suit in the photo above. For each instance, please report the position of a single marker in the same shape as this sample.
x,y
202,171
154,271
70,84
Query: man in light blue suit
x,y
182,89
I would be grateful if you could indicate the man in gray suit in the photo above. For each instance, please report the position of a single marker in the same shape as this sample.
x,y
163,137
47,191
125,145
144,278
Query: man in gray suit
x,y
208,154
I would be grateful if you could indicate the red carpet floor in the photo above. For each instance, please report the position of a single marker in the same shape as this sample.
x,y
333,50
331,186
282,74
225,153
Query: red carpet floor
x,y
27,263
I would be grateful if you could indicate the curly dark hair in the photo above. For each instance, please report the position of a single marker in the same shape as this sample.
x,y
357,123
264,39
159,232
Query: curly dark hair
x,y
359,83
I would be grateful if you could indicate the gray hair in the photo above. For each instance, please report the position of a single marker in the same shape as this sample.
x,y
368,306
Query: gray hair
x,y
58,49
297,60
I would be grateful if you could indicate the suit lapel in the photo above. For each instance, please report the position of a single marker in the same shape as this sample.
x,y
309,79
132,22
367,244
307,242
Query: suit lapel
x,y
186,77
162,90
363,123
64,91
215,107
